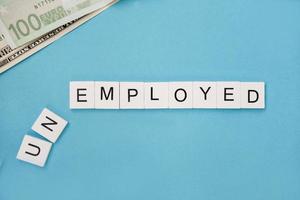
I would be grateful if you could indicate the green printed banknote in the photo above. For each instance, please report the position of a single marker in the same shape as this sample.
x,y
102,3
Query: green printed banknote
x,y
23,21
9,57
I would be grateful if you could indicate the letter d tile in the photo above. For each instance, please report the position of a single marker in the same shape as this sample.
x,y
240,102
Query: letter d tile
x,y
253,95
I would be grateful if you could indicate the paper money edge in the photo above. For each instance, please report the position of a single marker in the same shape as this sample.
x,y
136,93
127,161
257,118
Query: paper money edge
x,y
59,23
5,32
47,42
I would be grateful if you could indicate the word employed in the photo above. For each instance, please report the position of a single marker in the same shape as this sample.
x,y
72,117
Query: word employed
x,y
35,150
164,95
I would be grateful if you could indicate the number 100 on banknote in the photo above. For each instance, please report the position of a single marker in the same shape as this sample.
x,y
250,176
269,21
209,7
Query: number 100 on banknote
x,y
23,21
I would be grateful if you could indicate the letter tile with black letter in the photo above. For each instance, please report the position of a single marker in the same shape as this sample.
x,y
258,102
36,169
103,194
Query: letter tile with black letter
x,y
82,95
253,95
204,94
181,95
49,125
107,95
156,95
228,95
132,95
34,150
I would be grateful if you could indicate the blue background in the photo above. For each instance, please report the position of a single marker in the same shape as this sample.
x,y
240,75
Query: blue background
x,y
162,154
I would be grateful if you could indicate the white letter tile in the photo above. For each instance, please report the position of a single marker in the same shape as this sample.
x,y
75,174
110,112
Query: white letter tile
x,y
156,95
82,95
49,125
132,95
107,95
34,150
228,95
253,95
204,94
181,95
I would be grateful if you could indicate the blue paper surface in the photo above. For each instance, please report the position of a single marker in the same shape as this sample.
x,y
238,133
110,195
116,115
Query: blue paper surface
x,y
162,154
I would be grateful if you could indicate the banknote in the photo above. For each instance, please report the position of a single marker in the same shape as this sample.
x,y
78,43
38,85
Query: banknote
x,y
24,21
10,57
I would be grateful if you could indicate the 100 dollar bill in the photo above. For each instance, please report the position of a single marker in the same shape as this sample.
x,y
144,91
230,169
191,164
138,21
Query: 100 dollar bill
x,y
10,57
23,21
